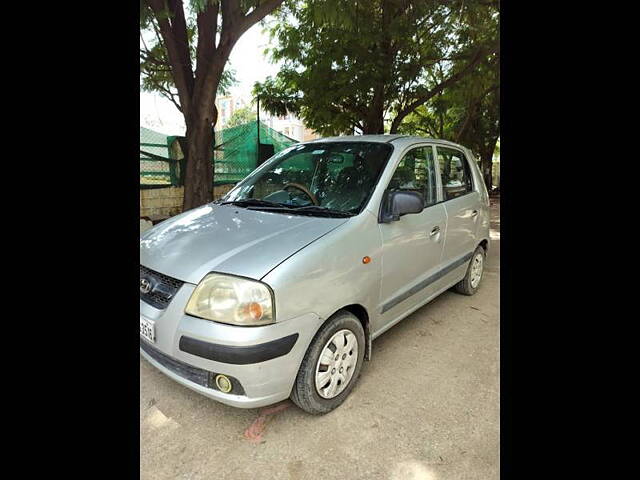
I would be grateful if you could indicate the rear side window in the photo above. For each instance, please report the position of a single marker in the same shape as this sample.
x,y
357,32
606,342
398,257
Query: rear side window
x,y
416,173
455,173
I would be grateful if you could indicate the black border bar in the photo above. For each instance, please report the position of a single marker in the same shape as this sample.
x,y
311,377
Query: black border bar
x,y
238,355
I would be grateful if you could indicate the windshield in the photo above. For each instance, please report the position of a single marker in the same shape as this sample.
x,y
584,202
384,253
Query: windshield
x,y
316,178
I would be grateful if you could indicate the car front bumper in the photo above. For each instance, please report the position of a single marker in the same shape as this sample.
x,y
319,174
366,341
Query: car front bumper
x,y
263,360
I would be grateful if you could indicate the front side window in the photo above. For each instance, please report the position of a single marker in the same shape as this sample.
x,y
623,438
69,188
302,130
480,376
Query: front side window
x,y
455,173
416,173
316,178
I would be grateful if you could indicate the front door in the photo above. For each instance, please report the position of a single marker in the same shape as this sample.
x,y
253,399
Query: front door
x,y
413,245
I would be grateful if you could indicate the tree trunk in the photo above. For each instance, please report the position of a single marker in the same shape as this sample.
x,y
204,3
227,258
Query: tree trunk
x,y
198,184
374,123
197,90
486,162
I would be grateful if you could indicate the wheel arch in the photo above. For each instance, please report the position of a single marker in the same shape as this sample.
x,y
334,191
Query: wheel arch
x,y
360,312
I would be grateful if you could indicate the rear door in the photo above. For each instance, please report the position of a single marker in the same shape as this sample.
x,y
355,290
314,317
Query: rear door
x,y
461,201
413,245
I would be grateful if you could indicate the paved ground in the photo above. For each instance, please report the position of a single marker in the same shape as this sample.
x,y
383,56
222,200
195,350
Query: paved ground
x,y
425,408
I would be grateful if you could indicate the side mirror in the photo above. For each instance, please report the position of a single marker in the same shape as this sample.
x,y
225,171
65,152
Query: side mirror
x,y
399,204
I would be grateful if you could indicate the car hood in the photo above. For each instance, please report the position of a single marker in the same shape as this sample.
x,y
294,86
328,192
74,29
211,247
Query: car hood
x,y
228,239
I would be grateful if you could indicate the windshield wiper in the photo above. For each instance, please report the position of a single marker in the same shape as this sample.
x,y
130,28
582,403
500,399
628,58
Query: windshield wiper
x,y
328,211
253,202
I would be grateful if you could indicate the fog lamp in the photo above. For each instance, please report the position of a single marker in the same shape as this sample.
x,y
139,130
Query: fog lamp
x,y
223,383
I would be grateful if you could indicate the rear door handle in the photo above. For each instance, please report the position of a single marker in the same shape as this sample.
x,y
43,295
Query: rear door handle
x,y
474,213
435,230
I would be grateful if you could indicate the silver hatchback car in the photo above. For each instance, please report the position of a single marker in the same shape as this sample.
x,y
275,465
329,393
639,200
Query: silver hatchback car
x,y
278,289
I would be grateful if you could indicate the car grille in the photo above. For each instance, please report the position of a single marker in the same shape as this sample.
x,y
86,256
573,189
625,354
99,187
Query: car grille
x,y
196,375
163,288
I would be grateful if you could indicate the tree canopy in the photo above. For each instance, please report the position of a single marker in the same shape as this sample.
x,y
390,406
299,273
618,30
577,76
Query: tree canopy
x,y
365,65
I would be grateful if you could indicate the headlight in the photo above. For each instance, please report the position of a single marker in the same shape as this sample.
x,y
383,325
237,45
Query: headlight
x,y
228,299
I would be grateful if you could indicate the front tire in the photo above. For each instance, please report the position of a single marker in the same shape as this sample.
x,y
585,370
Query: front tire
x,y
331,365
471,282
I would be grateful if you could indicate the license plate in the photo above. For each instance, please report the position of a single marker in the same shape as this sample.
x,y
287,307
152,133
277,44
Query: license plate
x,y
148,329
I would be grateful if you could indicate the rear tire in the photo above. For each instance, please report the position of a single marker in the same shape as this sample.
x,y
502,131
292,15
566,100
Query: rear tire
x,y
338,369
471,282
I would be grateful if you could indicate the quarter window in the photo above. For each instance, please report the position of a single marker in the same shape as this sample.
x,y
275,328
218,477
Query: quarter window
x,y
416,173
455,173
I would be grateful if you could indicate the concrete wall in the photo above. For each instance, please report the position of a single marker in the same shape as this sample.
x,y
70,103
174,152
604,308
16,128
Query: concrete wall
x,y
161,202
167,202
145,225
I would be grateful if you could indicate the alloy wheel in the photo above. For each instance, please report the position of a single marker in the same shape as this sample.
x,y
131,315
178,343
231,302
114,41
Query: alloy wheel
x,y
476,270
336,364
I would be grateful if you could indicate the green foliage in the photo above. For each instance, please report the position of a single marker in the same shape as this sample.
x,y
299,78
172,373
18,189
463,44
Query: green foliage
x,y
349,64
468,113
241,116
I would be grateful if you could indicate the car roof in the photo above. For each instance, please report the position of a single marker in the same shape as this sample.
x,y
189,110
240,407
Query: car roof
x,y
396,140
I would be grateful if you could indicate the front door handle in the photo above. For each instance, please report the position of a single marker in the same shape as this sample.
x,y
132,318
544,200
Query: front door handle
x,y
474,213
435,230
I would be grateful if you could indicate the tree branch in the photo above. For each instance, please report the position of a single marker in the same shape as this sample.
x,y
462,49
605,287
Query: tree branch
x,y
231,18
207,28
166,92
477,57
258,13
147,55
176,41
212,58
235,23
473,109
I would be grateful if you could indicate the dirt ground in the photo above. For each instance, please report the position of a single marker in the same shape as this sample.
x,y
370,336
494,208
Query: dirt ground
x,y
425,408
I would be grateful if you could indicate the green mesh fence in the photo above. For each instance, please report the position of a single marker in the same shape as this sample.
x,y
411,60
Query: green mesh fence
x,y
235,154
155,169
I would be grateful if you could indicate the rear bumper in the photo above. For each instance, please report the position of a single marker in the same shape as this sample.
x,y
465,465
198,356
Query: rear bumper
x,y
264,360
